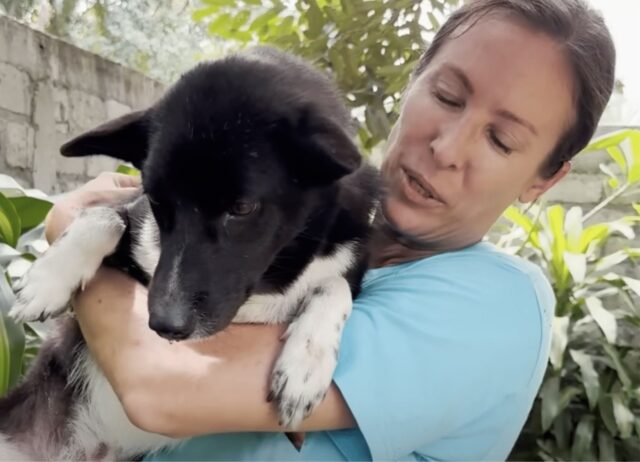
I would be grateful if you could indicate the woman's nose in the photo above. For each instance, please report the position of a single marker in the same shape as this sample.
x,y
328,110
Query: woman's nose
x,y
452,145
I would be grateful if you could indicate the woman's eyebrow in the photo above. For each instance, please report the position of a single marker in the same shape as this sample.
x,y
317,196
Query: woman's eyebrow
x,y
460,75
519,120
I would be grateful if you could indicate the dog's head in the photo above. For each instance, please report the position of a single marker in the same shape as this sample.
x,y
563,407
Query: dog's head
x,y
234,160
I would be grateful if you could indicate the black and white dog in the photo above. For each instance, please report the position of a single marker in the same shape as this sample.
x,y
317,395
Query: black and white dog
x,y
256,209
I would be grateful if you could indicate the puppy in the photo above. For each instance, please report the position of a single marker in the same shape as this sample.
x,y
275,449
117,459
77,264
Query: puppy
x,y
256,209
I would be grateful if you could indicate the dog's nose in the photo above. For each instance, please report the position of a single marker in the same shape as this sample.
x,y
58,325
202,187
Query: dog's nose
x,y
170,330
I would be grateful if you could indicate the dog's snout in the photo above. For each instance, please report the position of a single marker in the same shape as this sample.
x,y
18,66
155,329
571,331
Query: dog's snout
x,y
170,329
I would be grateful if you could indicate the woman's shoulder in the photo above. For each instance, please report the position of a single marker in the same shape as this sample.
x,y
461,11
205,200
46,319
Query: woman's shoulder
x,y
481,264
478,284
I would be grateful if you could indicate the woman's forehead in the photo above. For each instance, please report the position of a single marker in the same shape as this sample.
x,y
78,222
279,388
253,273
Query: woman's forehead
x,y
511,67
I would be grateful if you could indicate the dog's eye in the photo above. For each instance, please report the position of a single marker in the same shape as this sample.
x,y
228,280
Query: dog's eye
x,y
243,208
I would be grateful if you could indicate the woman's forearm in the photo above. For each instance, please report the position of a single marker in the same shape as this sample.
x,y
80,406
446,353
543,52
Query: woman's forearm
x,y
218,384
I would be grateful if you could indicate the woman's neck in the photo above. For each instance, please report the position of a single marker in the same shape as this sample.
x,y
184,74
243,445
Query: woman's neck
x,y
391,246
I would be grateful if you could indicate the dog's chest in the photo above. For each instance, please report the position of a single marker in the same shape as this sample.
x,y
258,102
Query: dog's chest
x,y
283,307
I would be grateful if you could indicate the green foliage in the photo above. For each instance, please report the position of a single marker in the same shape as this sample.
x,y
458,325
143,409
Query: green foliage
x,y
371,46
20,242
588,405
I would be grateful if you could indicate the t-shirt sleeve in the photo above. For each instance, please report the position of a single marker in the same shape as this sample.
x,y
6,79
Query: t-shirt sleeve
x,y
426,351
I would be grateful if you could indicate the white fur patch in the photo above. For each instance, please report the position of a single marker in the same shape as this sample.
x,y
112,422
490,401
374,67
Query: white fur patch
x,y
8,451
68,264
146,251
278,308
303,371
100,419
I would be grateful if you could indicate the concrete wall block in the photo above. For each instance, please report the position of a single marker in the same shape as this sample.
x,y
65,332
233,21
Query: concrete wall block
x,y
71,165
579,188
18,144
99,164
14,90
589,162
86,111
116,109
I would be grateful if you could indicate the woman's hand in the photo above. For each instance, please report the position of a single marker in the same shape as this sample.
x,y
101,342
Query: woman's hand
x,y
108,188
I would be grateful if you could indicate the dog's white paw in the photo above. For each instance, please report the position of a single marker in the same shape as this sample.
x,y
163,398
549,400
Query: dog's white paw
x,y
44,291
301,377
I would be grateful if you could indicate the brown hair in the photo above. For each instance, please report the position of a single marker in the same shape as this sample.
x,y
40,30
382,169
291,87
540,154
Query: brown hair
x,y
588,45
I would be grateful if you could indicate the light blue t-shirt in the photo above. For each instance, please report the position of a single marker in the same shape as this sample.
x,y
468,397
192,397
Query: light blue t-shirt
x,y
440,360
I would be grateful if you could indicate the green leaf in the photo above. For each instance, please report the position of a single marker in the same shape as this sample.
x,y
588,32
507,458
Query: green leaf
x,y
605,320
550,395
606,141
12,340
31,211
126,170
577,265
618,365
594,233
612,260
583,438
9,222
625,419
605,408
202,13
589,376
633,157
633,284
559,340
618,156
606,447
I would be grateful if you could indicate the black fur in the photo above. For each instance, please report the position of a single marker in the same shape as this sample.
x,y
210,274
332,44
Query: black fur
x,y
260,128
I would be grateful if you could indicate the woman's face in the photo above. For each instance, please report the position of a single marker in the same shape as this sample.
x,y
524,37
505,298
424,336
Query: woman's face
x,y
474,130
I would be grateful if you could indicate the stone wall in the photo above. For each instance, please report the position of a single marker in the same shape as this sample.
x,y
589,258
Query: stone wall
x,y
51,91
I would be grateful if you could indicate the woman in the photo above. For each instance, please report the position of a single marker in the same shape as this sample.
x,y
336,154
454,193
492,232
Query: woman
x,y
449,339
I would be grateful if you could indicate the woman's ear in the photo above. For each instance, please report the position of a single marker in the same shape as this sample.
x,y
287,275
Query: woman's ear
x,y
541,185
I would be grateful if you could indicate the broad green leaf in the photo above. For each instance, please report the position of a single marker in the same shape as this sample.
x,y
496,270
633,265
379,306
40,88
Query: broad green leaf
x,y
31,211
11,340
605,320
612,260
633,284
618,156
550,395
10,187
606,446
589,376
555,220
605,409
202,13
632,152
606,141
9,222
559,340
573,228
577,265
618,365
624,417
594,233
583,439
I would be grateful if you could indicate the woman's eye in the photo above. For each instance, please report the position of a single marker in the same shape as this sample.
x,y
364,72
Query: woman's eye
x,y
447,99
499,144
243,208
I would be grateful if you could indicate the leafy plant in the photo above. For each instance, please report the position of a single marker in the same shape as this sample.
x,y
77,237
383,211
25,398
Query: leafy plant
x,y
21,241
589,402
370,46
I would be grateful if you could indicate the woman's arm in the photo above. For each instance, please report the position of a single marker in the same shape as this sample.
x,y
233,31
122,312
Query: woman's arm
x,y
214,385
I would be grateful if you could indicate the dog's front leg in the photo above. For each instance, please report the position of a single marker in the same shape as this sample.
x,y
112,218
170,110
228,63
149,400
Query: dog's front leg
x,y
68,264
303,371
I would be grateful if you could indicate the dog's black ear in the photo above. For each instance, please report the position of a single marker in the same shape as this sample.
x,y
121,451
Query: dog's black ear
x,y
319,151
125,138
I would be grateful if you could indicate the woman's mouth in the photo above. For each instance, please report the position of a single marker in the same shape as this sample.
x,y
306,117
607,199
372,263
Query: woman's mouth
x,y
420,186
